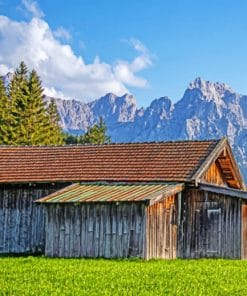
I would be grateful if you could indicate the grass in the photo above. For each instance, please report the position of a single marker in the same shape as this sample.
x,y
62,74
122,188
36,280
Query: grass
x,y
42,276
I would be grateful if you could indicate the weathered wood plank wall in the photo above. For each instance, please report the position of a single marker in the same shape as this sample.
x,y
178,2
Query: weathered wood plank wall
x,y
22,221
107,230
161,230
214,175
244,230
210,225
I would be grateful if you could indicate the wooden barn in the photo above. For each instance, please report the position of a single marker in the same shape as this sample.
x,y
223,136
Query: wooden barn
x,y
183,199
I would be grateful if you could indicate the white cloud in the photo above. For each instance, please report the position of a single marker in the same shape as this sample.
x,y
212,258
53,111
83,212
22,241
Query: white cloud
x,y
4,69
63,73
62,33
33,8
125,71
138,45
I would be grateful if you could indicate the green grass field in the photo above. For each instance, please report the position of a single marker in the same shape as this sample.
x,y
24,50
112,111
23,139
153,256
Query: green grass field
x,y
42,276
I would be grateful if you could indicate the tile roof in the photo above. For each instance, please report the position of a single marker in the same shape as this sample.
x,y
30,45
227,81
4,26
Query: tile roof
x,y
162,161
113,193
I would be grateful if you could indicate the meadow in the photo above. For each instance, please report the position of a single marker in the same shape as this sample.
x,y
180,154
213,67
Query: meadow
x,y
42,276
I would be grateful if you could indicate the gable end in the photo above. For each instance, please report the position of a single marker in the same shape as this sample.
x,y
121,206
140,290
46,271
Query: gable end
x,y
220,168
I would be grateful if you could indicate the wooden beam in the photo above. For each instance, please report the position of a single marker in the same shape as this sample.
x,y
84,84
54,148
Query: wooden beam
x,y
223,190
173,189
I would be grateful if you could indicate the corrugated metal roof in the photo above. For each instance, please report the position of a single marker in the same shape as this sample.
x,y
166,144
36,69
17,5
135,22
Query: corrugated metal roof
x,y
112,193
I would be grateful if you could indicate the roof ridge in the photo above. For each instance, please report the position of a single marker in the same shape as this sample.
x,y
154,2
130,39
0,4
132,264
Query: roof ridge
x,y
114,143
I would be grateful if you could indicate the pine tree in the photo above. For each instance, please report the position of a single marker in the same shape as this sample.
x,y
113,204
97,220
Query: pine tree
x,y
5,116
55,135
71,139
96,134
37,123
18,95
29,120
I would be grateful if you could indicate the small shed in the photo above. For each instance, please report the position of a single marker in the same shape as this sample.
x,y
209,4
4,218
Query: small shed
x,y
112,221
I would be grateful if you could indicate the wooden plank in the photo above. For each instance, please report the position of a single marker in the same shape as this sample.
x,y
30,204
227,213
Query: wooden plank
x,y
22,221
49,246
90,230
126,229
215,175
244,231
52,245
72,230
101,231
162,229
61,232
66,210
223,190
107,249
83,250
211,226
173,189
96,230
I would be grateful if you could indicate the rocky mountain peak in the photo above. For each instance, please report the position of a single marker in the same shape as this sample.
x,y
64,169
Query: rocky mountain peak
x,y
110,96
162,101
112,99
210,90
129,99
162,106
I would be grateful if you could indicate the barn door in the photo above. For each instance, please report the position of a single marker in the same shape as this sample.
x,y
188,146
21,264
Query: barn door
x,y
207,230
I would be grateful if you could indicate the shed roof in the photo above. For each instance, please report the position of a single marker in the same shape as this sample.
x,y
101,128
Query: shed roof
x,y
157,161
150,193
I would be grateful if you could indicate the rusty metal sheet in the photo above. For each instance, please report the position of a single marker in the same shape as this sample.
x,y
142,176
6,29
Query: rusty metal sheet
x,y
112,193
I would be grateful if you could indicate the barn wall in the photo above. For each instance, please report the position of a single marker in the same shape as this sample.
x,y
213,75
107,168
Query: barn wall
x,y
214,175
107,230
162,229
244,230
21,220
210,225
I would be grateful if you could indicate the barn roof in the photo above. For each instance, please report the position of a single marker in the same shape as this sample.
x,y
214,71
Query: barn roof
x,y
135,162
149,193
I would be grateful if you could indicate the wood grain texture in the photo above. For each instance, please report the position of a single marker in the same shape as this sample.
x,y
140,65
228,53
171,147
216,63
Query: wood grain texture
x,y
210,225
244,230
22,221
108,230
161,225
215,175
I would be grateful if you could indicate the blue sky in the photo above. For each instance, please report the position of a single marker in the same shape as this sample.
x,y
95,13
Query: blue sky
x,y
151,48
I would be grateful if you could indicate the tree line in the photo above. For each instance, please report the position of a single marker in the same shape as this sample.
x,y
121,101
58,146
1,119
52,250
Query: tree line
x,y
26,119
94,135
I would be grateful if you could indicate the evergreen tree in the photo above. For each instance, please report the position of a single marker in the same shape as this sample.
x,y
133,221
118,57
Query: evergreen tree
x,y
18,95
6,130
55,135
24,117
37,123
96,134
71,139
